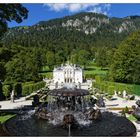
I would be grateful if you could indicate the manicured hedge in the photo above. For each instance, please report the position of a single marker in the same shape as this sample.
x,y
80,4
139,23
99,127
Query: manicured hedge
x,y
25,90
30,88
27,83
89,76
110,87
20,89
6,90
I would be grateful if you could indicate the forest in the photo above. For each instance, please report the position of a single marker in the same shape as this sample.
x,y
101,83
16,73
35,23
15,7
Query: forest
x,y
24,51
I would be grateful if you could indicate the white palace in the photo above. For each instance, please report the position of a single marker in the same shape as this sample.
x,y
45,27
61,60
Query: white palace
x,y
68,74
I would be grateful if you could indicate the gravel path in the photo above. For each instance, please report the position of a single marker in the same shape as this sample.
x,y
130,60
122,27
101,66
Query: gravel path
x,y
120,102
17,104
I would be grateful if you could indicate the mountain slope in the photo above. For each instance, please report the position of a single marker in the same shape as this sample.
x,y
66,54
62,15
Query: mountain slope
x,y
79,31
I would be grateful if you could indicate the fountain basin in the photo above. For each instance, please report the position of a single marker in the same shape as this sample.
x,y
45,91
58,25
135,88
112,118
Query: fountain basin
x,y
110,125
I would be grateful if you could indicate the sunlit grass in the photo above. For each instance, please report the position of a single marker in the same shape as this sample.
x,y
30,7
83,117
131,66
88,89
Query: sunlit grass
x,y
131,118
47,74
91,68
94,70
6,117
45,68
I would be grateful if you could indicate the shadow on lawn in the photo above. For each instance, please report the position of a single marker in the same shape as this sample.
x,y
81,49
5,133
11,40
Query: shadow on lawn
x,y
90,69
45,71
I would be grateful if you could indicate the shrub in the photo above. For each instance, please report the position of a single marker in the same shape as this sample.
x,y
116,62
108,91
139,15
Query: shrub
x,y
107,86
27,83
96,85
18,89
123,113
1,92
109,97
120,87
30,88
98,79
89,76
111,90
129,89
102,86
6,90
126,110
25,90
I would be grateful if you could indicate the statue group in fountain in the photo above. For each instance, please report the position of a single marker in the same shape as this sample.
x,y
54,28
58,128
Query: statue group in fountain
x,y
67,107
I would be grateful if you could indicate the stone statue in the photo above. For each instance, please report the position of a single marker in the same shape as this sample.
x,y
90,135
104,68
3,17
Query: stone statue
x,y
56,85
12,96
136,111
79,85
35,100
68,119
100,102
115,93
97,115
42,113
93,101
119,93
124,94
132,97
93,114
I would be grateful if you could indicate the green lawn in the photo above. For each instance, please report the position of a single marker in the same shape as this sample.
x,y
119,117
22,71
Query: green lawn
x,y
6,117
94,70
45,68
131,118
45,72
90,69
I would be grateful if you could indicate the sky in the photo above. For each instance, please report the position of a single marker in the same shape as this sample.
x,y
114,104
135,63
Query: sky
x,y
44,12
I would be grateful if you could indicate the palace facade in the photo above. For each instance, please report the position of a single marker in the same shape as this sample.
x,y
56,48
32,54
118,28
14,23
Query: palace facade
x,y
68,74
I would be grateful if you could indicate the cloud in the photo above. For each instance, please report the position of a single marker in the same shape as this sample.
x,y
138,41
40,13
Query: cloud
x,y
104,9
71,7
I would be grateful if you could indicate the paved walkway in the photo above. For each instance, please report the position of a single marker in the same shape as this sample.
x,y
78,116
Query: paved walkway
x,y
120,102
138,134
17,104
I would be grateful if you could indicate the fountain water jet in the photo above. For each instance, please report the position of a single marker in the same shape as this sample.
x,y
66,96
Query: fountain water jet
x,y
69,134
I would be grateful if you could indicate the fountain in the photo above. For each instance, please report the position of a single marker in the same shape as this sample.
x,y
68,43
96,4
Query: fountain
x,y
70,112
